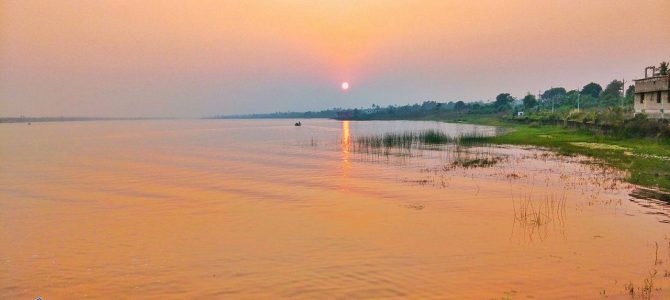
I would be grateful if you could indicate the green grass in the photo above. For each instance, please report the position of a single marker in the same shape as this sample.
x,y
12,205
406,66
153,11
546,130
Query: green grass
x,y
387,140
647,160
433,137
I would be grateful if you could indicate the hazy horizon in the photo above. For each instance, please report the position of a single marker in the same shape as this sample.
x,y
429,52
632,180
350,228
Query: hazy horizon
x,y
204,58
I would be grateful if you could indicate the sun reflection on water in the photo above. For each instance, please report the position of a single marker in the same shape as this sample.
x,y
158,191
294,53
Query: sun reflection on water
x,y
346,139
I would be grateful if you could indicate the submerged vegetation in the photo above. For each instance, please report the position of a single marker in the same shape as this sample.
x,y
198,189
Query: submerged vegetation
x,y
646,162
645,290
404,139
475,162
534,215
409,139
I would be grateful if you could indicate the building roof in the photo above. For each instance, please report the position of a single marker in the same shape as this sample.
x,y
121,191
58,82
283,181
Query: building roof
x,y
651,77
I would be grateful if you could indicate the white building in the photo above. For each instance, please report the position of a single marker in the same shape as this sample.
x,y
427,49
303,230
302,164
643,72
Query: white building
x,y
652,94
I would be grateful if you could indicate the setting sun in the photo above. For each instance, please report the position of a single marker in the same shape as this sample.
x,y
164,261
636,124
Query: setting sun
x,y
345,86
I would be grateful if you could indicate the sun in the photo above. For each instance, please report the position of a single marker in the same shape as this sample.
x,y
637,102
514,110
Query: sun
x,y
345,86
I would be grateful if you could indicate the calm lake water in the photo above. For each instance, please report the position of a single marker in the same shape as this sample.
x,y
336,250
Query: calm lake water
x,y
261,209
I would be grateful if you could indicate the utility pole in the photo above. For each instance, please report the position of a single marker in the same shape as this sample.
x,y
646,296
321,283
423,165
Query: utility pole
x,y
552,105
623,91
578,99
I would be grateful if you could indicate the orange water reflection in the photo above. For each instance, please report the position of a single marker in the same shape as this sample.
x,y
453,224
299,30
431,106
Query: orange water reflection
x,y
241,209
345,143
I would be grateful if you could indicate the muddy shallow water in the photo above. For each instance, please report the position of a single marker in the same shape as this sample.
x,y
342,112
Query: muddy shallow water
x,y
264,209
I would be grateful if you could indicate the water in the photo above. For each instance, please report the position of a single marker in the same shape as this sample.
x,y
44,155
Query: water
x,y
263,209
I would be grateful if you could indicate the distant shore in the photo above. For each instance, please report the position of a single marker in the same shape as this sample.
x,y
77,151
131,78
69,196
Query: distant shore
x,y
68,119
647,160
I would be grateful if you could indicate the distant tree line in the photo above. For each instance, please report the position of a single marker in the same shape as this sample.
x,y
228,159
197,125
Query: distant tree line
x,y
324,114
590,104
556,99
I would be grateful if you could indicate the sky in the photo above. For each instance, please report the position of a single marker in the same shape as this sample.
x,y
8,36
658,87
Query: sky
x,y
171,58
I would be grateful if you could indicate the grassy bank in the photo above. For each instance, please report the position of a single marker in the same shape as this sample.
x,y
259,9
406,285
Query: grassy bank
x,y
647,160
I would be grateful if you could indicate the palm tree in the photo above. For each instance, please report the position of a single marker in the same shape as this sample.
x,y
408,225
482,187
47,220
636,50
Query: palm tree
x,y
663,68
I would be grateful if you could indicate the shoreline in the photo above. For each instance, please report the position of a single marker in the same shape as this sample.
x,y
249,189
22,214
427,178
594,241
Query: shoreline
x,y
646,160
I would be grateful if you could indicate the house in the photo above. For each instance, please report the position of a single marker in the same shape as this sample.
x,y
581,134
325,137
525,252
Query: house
x,y
652,94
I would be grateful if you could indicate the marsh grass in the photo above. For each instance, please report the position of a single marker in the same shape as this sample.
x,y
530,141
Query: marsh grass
x,y
463,151
645,290
646,161
535,215
470,156
538,213
475,162
414,139
473,139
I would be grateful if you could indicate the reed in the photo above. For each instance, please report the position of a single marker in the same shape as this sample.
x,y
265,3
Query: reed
x,y
433,136
473,139
645,290
476,162
535,215
409,139
538,213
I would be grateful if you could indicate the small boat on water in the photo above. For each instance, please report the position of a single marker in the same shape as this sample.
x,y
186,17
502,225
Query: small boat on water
x,y
298,124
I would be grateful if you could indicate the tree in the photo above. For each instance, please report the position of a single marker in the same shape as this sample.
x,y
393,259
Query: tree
x,y
460,105
553,93
429,105
630,92
503,99
613,89
592,89
663,68
529,101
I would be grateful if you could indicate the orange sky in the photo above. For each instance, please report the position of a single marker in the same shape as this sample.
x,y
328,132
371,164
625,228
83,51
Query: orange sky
x,y
196,58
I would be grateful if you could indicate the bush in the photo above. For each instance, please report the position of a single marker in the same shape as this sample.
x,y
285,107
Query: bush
x,y
641,126
611,117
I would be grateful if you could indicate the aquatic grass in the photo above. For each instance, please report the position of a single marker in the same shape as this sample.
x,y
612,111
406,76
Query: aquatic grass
x,y
433,136
462,150
645,290
647,161
386,140
466,157
535,215
409,139
476,162
474,138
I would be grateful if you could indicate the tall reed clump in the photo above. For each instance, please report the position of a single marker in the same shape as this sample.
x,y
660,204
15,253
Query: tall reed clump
x,y
474,138
409,139
537,213
433,137
386,140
